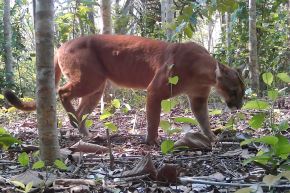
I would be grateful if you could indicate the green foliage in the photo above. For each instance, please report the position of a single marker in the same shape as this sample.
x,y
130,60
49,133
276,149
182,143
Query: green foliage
x,y
257,120
60,165
24,189
273,157
111,126
276,148
6,140
268,78
186,120
38,165
256,104
173,80
23,159
284,77
167,146
167,105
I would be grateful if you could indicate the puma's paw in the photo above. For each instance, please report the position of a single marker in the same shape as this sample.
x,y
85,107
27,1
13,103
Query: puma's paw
x,y
151,141
211,136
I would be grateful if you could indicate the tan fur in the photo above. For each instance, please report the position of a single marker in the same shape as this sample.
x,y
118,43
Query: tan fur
x,y
140,63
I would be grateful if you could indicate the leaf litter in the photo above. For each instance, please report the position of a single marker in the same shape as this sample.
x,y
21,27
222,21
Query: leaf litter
x,y
211,167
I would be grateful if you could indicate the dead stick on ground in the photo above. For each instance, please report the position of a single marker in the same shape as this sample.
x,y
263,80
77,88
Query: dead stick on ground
x,y
110,150
192,180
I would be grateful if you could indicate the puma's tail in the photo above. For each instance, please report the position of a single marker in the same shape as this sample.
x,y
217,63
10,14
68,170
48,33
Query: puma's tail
x,y
30,106
18,103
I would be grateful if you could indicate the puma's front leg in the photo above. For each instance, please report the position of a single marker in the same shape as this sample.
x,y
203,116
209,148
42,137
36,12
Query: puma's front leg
x,y
200,110
153,109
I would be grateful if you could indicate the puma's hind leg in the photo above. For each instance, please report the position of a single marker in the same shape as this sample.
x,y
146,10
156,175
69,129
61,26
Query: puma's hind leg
x,y
76,90
87,105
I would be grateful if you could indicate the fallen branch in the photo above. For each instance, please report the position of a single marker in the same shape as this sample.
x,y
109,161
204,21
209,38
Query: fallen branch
x,y
75,182
192,180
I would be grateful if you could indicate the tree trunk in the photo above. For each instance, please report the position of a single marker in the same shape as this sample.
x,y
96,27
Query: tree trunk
x,y
288,35
106,16
253,56
7,45
228,37
45,81
92,26
107,29
167,15
210,30
121,25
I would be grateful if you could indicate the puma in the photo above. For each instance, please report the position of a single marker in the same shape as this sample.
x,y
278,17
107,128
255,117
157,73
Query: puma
x,y
140,63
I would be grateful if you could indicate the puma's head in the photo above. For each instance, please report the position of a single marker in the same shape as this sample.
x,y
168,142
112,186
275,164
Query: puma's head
x,y
230,86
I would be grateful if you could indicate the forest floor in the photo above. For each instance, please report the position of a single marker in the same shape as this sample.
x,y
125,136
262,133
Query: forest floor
x,y
137,167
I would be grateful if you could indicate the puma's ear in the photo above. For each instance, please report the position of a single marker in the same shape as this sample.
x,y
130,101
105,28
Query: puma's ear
x,y
218,71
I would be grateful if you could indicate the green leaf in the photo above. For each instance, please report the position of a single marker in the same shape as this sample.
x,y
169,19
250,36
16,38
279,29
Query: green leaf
x,y
18,184
28,187
186,120
270,180
6,140
173,80
88,123
268,78
256,105
127,106
257,120
273,94
85,117
215,112
112,127
105,115
38,165
167,146
116,103
60,165
23,159
188,32
270,140
246,142
3,131
283,126
282,148
284,77
1,96
167,105
165,125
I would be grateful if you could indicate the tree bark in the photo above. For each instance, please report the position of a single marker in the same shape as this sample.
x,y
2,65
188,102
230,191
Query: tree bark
x,y
107,29
288,35
167,16
45,81
253,56
106,16
228,37
92,26
7,45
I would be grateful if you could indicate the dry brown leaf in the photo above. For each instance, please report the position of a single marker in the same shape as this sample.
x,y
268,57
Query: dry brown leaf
x,y
88,148
33,176
145,166
168,173
194,141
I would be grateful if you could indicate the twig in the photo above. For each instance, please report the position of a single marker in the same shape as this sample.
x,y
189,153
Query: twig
x,y
192,180
110,150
